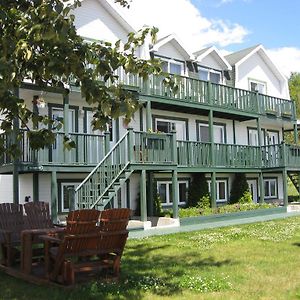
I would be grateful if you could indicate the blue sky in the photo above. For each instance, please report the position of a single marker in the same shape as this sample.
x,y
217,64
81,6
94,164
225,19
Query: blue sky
x,y
274,23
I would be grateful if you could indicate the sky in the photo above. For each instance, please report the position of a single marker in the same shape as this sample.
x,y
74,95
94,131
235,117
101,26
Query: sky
x,y
230,25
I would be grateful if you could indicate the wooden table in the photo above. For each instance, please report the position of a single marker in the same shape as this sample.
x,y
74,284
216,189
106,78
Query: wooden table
x,y
30,237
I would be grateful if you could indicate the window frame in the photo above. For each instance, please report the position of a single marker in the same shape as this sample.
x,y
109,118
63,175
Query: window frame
x,y
216,124
209,71
269,180
168,184
61,184
170,61
256,81
219,180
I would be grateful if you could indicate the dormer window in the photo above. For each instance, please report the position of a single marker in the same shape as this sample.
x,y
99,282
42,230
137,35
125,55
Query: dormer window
x,y
258,86
213,76
172,67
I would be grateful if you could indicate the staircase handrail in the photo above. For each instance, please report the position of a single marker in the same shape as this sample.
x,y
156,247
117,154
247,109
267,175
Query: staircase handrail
x,y
101,162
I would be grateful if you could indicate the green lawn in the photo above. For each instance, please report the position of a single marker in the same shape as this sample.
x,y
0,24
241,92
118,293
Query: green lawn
x,y
256,261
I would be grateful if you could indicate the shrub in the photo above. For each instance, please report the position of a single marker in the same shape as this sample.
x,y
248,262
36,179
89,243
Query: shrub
x,y
239,187
204,202
246,198
157,207
198,189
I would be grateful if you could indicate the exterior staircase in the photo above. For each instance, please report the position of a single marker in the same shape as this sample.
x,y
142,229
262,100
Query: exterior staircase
x,y
294,177
107,178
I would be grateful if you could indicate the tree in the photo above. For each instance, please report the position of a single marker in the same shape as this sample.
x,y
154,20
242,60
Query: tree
x,y
36,37
294,87
198,189
239,187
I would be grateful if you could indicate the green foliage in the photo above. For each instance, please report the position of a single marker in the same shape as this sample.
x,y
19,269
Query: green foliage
x,y
294,87
230,208
239,187
204,202
36,37
198,189
157,207
246,198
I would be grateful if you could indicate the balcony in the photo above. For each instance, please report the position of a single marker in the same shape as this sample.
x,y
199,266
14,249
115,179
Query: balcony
x,y
208,95
156,150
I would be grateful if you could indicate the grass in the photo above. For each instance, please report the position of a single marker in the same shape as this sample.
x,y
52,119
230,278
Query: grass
x,y
256,261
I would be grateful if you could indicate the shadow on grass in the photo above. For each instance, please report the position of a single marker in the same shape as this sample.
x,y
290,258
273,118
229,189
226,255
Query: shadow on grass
x,y
297,244
145,268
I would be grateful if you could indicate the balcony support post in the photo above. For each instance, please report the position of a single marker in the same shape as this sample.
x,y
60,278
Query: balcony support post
x,y
261,188
174,147
148,116
16,125
66,123
143,193
54,196
211,136
258,125
175,193
213,192
285,187
150,193
295,133
106,142
35,186
130,144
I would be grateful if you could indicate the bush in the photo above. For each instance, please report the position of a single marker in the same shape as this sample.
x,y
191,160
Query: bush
x,y
204,202
246,198
230,208
198,189
239,187
157,207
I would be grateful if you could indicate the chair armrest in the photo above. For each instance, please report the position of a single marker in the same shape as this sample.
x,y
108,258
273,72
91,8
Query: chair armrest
x,y
49,238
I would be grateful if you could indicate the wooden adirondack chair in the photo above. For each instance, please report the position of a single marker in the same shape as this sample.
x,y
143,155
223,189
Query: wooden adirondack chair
x,y
114,219
81,224
38,215
11,225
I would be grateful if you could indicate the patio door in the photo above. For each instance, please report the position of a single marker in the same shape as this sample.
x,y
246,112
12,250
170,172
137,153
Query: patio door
x,y
252,183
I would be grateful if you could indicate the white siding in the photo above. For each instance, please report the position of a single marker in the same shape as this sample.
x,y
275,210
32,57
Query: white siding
x,y
92,20
6,188
255,68
210,61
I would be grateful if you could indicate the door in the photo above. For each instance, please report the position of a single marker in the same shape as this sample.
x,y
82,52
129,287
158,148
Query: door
x,y
272,140
253,189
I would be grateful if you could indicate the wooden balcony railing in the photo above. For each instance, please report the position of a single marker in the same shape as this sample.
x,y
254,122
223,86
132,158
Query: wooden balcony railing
x,y
206,93
156,148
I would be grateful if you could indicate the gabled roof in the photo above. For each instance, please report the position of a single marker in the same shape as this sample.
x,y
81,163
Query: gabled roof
x,y
173,39
237,58
201,54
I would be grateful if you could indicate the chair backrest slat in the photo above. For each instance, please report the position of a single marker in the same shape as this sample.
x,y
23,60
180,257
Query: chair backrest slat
x,y
38,215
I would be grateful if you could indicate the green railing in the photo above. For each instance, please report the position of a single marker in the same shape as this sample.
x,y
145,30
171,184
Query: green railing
x,y
96,184
203,92
152,148
89,150
194,154
292,157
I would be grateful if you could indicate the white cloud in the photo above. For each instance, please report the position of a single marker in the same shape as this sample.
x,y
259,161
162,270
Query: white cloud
x,y
286,58
186,21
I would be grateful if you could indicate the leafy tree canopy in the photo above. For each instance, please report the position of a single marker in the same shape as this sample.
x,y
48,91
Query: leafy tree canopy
x,y
39,44
294,87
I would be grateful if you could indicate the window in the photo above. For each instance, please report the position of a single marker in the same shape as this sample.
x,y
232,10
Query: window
x,y
252,137
57,114
270,188
64,197
164,189
219,133
88,119
210,75
165,125
257,86
172,66
221,190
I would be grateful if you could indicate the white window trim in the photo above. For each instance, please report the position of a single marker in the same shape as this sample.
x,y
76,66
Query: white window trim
x,y
168,184
209,71
258,82
172,121
215,126
172,61
269,180
218,200
62,185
